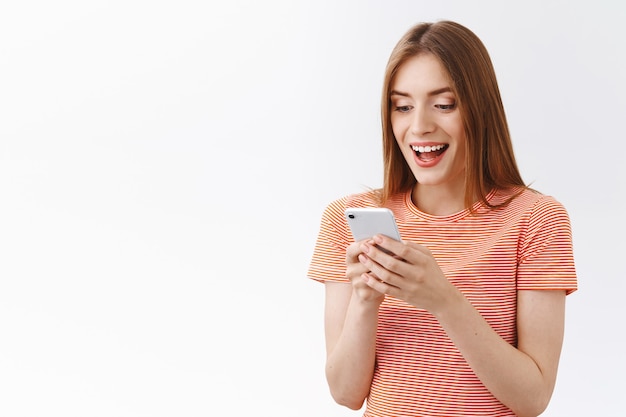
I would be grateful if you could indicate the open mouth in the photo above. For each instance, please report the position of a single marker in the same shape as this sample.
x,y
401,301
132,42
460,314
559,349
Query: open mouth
x,y
429,153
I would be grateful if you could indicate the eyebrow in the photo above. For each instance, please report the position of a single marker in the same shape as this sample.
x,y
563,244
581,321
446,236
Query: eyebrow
x,y
429,94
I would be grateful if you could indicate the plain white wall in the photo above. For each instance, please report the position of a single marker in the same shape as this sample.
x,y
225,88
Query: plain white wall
x,y
164,166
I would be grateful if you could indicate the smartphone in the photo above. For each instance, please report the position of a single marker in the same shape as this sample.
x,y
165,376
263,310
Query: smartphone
x,y
367,222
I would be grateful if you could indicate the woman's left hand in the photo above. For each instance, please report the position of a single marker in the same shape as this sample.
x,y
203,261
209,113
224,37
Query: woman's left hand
x,y
412,275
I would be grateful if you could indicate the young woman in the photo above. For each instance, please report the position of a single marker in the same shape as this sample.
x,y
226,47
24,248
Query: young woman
x,y
466,317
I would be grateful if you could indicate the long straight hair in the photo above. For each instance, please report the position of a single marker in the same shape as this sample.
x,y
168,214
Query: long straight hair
x,y
490,162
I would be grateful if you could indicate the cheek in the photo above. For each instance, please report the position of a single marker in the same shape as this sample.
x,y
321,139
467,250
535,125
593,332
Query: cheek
x,y
461,156
462,141
397,129
457,132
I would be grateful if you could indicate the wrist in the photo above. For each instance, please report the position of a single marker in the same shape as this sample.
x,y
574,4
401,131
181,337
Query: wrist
x,y
367,302
451,306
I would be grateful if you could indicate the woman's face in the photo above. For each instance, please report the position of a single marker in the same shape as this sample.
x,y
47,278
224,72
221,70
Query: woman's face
x,y
427,123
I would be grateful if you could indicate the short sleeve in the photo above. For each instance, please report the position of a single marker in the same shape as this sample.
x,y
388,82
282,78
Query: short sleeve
x,y
546,255
329,255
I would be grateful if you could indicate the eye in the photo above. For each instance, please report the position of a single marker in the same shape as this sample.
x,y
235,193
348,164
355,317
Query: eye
x,y
403,109
446,107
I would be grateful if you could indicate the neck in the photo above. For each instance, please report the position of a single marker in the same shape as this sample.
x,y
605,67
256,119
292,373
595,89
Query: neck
x,y
438,200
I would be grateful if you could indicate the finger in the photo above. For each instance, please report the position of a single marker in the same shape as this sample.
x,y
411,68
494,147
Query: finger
x,y
410,252
353,250
379,271
381,257
379,285
420,248
390,246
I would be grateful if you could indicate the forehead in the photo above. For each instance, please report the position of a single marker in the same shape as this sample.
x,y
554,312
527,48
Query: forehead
x,y
422,72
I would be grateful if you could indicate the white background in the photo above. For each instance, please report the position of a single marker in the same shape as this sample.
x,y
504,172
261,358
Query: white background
x,y
164,166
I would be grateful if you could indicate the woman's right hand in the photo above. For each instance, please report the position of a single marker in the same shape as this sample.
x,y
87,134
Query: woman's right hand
x,y
354,272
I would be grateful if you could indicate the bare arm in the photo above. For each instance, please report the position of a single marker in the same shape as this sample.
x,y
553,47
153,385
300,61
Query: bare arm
x,y
350,345
351,321
521,377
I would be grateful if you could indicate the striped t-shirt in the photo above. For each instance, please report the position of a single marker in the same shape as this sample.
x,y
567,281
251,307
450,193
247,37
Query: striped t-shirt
x,y
490,256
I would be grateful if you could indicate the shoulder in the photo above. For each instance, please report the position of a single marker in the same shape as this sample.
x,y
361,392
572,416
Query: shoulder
x,y
526,210
333,215
370,198
540,206
530,202
334,228
543,218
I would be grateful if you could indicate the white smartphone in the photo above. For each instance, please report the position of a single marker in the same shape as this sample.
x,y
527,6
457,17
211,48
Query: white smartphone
x,y
367,222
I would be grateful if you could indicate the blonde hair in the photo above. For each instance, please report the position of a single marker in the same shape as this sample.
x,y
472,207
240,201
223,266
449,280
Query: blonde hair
x,y
490,162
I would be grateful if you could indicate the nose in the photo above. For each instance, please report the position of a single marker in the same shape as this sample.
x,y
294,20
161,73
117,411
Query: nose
x,y
421,122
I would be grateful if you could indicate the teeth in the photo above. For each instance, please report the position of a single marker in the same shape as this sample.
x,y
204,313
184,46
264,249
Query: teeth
x,y
422,149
